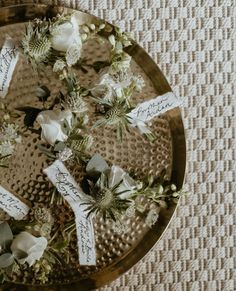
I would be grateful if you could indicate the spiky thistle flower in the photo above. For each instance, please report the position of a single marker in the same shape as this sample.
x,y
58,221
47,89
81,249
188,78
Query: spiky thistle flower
x,y
74,99
106,200
114,113
36,43
80,143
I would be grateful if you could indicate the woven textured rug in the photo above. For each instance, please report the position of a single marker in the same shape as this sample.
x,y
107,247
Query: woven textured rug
x,y
194,44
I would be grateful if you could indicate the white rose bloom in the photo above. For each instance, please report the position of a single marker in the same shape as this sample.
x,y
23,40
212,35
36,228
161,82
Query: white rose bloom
x,y
33,246
128,184
66,38
108,85
52,123
65,35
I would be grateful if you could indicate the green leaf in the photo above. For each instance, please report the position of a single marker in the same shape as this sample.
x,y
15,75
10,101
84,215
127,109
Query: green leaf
x,y
98,123
6,260
96,165
60,245
6,234
42,92
31,114
46,151
19,226
60,146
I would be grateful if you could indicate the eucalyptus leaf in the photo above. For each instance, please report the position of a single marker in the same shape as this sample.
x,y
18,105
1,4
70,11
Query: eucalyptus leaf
x,y
46,151
96,165
60,146
6,234
6,260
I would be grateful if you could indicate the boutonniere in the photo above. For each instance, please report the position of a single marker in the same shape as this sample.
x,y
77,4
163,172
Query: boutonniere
x,y
115,194
9,139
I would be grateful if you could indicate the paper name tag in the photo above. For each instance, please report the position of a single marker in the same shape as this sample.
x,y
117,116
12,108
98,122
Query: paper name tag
x,y
70,190
8,58
12,205
154,107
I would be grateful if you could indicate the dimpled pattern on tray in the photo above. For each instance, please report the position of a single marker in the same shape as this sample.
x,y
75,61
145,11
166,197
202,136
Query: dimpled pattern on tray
x,y
25,178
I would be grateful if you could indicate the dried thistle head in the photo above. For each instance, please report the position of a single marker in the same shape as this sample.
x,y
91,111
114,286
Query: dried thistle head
x,y
106,200
114,114
36,43
81,143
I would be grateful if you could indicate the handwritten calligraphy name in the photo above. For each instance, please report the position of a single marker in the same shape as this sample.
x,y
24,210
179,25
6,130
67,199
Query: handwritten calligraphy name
x,y
7,56
65,186
152,108
8,59
85,239
12,205
71,191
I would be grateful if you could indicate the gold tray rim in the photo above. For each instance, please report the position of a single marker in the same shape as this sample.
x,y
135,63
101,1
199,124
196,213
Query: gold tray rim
x,y
24,12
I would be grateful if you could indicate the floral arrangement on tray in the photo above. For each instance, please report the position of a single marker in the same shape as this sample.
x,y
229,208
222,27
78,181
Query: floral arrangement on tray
x,y
31,239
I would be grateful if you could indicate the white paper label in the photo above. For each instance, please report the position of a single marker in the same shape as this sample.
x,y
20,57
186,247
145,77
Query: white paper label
x,y
12,205
8,58
154,107
70,190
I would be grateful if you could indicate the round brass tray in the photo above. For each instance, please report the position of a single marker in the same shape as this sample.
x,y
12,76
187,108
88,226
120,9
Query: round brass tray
x,y
170,124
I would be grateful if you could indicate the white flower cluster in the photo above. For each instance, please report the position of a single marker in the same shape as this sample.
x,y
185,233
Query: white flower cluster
x,y
9,137
118,77
53,125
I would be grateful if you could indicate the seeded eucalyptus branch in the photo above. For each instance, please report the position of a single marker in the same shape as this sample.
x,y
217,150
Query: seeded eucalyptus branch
x,y
158,191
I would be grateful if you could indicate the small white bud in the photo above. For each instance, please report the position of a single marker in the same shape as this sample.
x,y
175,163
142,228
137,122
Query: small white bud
x,y
84,36
92,26
173,187
112,40
86,29
102,26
